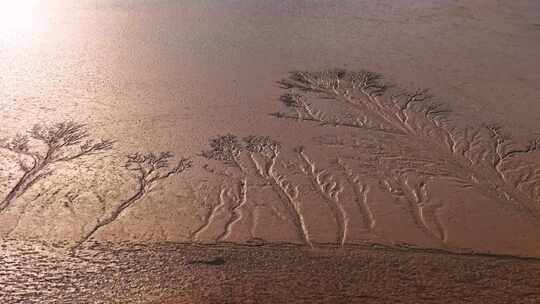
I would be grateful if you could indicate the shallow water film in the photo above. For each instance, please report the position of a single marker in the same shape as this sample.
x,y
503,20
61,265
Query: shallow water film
x,y
269,152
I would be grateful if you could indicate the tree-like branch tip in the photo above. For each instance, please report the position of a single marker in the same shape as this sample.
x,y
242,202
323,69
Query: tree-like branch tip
x,y
18,144
152,166
183,165
293,100
419,95
435,110
533,145
406,99
370,81
495,130
299,149
224,148
102,145
62,134
261,144
278,114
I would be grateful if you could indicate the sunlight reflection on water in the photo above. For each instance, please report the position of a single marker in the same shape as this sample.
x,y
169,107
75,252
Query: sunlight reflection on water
x,y
17,15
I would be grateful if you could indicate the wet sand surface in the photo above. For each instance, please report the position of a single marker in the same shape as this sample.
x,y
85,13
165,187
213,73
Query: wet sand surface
x,y
227,273
320,129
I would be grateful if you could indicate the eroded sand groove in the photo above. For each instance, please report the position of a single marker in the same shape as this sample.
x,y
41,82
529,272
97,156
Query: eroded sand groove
x,y
420,144
66,142
403,145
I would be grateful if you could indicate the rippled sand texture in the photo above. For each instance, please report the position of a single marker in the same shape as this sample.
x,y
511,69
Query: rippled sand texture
x,y
191,136
179,273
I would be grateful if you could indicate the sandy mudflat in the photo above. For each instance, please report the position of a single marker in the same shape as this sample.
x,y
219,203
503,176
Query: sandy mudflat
x,y
279,273
283,135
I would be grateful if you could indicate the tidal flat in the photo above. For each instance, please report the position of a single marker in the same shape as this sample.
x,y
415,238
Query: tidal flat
x,y
158,151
